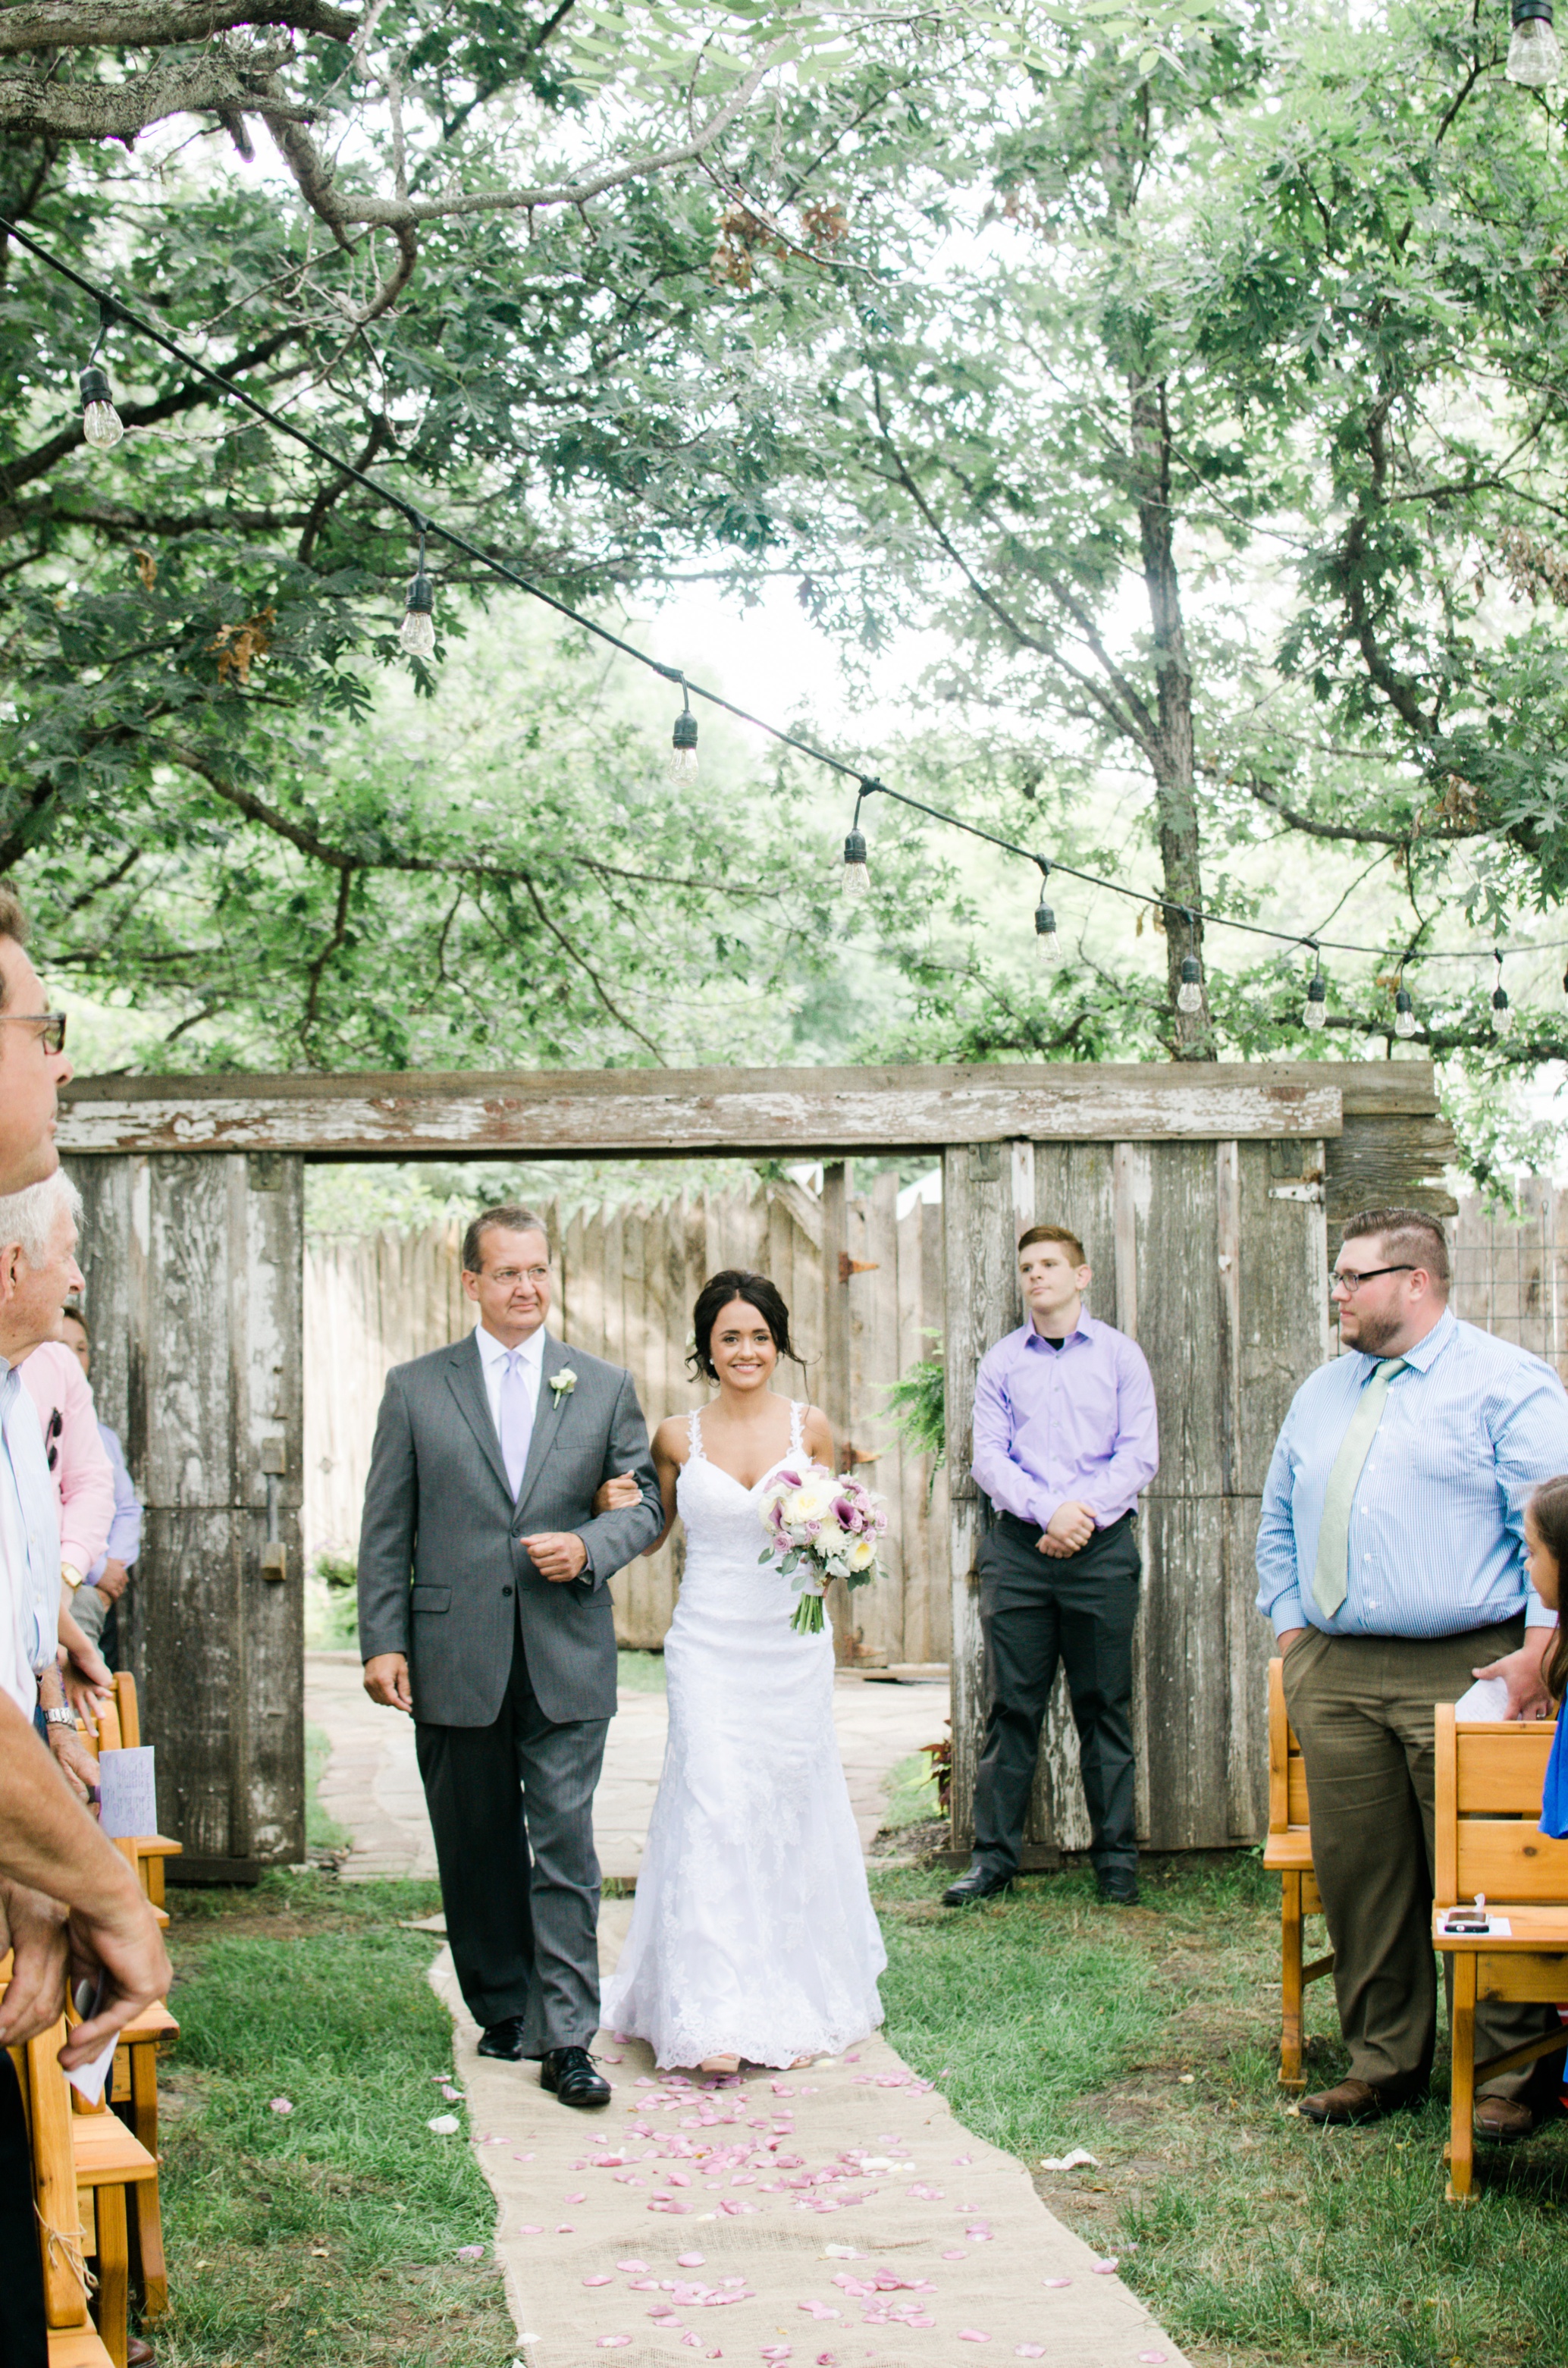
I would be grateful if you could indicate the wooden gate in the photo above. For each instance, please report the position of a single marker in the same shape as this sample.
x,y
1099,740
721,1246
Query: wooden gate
x,y
1201,1193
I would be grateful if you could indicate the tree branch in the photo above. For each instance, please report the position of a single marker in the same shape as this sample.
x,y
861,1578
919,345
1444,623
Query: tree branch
x,y
148,24
205,84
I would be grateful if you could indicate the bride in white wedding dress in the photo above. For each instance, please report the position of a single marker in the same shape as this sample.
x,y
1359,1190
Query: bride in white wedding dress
x,y
752,1937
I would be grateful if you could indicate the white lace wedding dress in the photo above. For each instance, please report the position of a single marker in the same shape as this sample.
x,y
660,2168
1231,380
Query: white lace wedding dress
x,y
753,1932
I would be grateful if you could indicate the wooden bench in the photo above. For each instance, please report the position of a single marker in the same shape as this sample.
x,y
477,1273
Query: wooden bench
x,y
1488,1788
1288,1853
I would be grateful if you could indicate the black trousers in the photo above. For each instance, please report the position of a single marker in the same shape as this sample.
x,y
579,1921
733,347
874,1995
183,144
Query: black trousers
x,y
511,1808
24,2342
1038,1610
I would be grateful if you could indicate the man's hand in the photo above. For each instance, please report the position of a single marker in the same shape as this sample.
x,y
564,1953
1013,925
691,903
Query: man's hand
x,y
35,1928
89,1683
76,1764
386,1680
1527,1697
557,1555
112,1580
1068,1530
126,1943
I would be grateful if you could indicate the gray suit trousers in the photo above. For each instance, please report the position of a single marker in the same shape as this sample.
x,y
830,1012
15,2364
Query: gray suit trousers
x,y
511,1808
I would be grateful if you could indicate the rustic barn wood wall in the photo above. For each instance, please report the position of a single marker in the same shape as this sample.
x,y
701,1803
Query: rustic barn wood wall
x,y
626,1277
193,1275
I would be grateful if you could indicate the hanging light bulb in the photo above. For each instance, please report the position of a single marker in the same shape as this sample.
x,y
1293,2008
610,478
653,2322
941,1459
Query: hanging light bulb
x,y
417,632
102,426
1403,1015
1047,944
1533,56
857,880
1314,1012
1190,994
1502,1009
683,748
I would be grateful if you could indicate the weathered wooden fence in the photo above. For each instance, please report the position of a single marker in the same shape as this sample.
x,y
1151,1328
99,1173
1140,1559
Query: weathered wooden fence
x,y
627,1277
1511,1273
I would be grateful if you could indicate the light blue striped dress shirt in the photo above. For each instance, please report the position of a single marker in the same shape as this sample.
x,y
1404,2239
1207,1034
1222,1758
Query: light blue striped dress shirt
x,y
1437,1527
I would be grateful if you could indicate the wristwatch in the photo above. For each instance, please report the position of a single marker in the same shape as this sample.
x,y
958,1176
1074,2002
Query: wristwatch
x,y
64,1716
71,1575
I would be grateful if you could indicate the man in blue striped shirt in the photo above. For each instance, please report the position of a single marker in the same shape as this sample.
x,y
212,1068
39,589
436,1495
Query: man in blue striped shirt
x,y
1391,1560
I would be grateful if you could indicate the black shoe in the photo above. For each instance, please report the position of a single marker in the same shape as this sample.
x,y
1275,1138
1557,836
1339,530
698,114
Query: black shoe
x,y
568,2074
980,1883
504,2039
1118,1885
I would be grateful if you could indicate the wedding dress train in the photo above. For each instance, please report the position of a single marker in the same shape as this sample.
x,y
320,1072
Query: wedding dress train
x,y
753,1932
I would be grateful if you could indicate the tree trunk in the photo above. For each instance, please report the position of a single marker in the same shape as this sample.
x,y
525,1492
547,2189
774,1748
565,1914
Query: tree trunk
x,y
1192,1035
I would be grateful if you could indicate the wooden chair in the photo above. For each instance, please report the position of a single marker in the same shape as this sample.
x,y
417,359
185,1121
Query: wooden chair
x,y
1489,1778
151,1849
83,2167
1288,1854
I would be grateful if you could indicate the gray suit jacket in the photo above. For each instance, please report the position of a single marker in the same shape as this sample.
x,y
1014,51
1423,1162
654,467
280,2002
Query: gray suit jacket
x,y
438,1512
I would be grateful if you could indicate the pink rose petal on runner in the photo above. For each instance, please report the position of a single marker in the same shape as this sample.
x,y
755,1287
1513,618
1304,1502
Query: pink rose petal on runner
x,y
635,2269
1106,2269
575,2199
529,2228
564,2228
1056,2282
1028,2351
954,2253
689,2261
1154,2355
598,2282
971,2335
613,2342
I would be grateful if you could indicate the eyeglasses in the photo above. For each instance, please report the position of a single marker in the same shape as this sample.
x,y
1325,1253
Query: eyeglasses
x,y
51,1026
1349,1283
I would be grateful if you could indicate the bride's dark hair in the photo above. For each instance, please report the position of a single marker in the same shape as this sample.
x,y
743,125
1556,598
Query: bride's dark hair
x,y
715,1296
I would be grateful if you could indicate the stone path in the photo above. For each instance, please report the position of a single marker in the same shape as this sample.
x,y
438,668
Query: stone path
x,y
371,1784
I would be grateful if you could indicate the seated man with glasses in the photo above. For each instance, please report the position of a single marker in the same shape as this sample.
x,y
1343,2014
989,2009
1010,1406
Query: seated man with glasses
x,y
1390,1559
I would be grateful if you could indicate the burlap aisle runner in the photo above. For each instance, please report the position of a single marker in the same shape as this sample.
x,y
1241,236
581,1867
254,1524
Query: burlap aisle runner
x,y
838,2216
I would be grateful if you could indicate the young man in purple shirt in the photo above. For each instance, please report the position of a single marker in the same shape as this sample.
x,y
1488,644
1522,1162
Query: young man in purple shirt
x,y
1065,1435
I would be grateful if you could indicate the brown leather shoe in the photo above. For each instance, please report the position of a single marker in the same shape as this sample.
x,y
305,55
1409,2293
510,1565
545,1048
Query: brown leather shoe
x,y
137,2353
1502,2120
1352,2100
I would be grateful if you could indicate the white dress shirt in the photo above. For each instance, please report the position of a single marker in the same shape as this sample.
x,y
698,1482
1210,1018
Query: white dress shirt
x,y
29,1544
493,1356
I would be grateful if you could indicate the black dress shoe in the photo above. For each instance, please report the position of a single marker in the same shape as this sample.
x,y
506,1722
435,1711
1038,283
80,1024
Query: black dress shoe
x,y
980,1883
568,2074
1118,1885
504,2039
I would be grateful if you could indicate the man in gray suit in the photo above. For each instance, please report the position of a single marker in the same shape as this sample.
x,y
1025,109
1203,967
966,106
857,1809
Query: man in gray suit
x,y
480,1493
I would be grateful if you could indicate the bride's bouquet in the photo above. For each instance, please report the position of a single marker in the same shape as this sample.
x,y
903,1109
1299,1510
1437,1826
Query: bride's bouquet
x,y
819,1528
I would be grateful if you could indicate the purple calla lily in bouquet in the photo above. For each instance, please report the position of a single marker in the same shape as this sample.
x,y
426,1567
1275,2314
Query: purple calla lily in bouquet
x,y
819,1528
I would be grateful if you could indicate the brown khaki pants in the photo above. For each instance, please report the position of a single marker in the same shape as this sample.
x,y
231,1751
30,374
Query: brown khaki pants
x,y
1361,1707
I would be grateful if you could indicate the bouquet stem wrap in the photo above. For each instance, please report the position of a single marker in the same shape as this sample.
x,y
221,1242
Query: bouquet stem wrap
x,y
820,1527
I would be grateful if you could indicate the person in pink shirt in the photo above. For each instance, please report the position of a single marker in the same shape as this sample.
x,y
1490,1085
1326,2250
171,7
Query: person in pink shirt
x,y
54,1381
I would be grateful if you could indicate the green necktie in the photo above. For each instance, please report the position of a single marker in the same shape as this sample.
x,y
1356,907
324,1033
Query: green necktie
x,y
1330,1580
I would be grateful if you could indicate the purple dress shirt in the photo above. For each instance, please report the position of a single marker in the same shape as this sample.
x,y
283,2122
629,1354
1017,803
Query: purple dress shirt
x,y
1076,1422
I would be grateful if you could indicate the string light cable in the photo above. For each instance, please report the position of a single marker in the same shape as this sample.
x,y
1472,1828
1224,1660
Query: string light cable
x,y
102,427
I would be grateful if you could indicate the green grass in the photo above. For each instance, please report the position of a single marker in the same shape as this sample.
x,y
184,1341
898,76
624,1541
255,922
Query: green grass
x,y
321,1832
912,1794
1149,2036
329,2233
640,1673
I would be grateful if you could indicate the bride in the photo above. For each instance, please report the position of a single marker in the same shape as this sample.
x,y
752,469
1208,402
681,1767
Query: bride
x,y
753,1936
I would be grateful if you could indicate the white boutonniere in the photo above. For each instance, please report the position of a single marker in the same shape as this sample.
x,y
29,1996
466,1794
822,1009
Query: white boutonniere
x,y
563,1384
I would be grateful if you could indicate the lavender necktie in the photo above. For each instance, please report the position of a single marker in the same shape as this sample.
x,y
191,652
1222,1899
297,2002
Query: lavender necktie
x,y
517,1419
